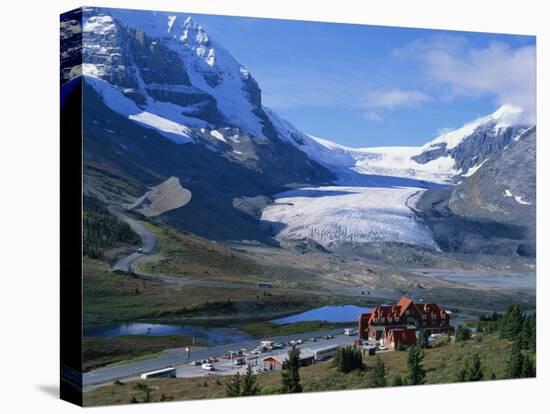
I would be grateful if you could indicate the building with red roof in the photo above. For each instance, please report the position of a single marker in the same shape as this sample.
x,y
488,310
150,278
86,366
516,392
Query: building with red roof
x,y
403,317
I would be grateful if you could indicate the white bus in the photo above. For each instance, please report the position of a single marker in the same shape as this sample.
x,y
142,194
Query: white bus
x,y
325,352
161,373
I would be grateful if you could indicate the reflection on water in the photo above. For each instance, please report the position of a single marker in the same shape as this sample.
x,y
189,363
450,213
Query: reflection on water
x,y
209,335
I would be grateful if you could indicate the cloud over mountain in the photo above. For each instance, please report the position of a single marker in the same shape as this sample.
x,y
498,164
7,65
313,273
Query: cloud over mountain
x,y
506,73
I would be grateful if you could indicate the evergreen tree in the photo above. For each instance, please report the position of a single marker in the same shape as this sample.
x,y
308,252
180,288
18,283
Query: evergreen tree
x,y
397,381
291,372
514,365
378,374
529,370
528,339
233,386
511,323
476,372
417,374
462,333
249,383
463,374
347,359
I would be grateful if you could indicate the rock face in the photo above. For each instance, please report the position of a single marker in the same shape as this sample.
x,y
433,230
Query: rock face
x,y
494,210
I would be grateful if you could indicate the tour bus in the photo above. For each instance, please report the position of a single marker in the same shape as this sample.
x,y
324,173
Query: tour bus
x,y
326,352
161,373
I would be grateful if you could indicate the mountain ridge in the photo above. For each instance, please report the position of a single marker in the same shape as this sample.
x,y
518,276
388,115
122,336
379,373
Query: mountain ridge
x,y
163,99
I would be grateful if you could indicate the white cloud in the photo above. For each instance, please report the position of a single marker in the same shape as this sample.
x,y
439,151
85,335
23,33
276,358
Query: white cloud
x,y
498,70
373,116
389,99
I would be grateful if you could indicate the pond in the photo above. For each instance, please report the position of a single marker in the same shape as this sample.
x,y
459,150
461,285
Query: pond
x,y
210,335
345,313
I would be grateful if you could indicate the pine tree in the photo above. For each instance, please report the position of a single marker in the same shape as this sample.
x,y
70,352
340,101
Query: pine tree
x,y
250,383
463,374
527,336
291,372
233,386
529,369
348,358
462,333
475,373
514,365
417,373
397,381
511,323
378,374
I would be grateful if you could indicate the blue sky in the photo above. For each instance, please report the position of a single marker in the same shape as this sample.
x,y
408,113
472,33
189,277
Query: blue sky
x,y
365,86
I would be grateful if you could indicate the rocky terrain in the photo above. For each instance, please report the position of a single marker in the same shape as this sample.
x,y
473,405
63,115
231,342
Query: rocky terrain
x,y
493,211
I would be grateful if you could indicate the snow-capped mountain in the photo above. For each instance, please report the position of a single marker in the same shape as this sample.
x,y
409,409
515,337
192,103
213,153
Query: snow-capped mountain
x,y
171,79
163,99
471,145
452,155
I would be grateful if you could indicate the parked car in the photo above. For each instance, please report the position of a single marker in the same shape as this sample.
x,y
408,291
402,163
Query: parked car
x,y
212,359
329,336
196,363
349,331
208,367
277,345
299,342
312,339
238,361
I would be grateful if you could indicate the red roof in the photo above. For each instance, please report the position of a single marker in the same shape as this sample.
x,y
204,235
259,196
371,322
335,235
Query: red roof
x,y
406,336
398,310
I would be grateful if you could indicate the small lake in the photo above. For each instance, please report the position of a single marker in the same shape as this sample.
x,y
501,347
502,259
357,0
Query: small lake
x,y
345,313
209,335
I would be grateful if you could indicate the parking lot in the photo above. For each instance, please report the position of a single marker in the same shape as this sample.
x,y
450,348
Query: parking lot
x,y
237,362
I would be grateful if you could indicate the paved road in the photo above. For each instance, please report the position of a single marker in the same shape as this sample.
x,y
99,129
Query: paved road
x,y
177,357
148,239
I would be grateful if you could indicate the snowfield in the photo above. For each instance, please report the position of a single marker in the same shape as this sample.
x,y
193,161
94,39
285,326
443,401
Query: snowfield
x,y
344,213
